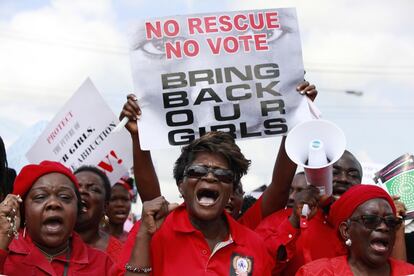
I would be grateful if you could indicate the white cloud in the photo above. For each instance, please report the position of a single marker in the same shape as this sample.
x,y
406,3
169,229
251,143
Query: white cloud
x,y
91,8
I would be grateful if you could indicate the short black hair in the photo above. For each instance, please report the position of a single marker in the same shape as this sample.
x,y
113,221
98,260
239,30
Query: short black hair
x,y
248,201
213,142
101,174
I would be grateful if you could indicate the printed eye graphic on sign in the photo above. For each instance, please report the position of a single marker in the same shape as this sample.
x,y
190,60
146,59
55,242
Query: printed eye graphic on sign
x,y
156,48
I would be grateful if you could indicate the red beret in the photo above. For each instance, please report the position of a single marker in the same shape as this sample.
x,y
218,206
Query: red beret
x,y
344,207
30,173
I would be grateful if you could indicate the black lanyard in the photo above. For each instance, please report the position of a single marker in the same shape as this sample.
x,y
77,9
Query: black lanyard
x,y
66,267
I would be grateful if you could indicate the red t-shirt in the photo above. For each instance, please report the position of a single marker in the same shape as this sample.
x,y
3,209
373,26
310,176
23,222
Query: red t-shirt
x,y
24,258
253,216
339,266
114,248
270,223
177,248
302,246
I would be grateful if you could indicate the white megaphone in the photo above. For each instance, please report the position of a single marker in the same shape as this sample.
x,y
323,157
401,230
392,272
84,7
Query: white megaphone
x,y
316,145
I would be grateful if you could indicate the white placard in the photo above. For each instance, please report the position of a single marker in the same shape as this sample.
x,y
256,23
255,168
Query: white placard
x,y
80,134
230,71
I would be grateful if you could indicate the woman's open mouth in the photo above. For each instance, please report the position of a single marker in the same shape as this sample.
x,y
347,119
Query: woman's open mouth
x,y
53,224
121,214
380,245
207,197
84,207
229,208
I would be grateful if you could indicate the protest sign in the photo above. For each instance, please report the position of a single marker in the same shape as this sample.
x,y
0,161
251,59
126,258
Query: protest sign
x,y
369,169
398,179
231,71
80,134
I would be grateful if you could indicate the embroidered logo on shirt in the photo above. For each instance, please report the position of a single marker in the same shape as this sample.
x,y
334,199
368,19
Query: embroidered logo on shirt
x,y
241,265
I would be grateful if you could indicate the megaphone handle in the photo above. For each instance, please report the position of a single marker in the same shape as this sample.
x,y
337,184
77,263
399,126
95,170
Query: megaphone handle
x,y
303,222
305,210
304,216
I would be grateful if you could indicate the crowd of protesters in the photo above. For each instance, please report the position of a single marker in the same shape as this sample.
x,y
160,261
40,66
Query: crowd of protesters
x,y
57,222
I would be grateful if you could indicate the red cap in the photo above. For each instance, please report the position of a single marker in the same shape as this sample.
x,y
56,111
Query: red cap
x,y
30,173
344,207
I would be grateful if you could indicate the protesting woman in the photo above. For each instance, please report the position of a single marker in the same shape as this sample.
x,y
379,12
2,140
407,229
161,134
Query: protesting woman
x,y
199,237
45,203
95,191
119,207
365,218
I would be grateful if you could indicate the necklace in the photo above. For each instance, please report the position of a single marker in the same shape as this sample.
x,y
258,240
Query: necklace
x,y
50,257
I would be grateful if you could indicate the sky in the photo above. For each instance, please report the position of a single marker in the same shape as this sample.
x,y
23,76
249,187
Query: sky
x,y
48,48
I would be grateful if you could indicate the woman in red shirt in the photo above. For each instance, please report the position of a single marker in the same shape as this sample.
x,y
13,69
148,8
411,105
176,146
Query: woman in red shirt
x,y
95,191
365,217
45,202
119,207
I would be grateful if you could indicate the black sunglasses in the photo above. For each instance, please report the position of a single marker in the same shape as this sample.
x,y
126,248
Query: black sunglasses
x,y
198,171
373,221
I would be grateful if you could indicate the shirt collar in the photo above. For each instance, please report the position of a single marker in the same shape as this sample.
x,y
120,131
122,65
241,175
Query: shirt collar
x,y
181,223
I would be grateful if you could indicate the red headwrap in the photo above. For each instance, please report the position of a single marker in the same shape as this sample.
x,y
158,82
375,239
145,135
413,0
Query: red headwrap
x,y
344,207
123,182
30,173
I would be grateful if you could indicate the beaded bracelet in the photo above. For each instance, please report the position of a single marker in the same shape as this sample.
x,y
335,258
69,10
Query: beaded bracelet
x,y
135,269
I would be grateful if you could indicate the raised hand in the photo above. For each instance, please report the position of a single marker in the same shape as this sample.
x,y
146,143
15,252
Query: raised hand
x,y
153,214
9,219
132,111
309,196
400,206
305,88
